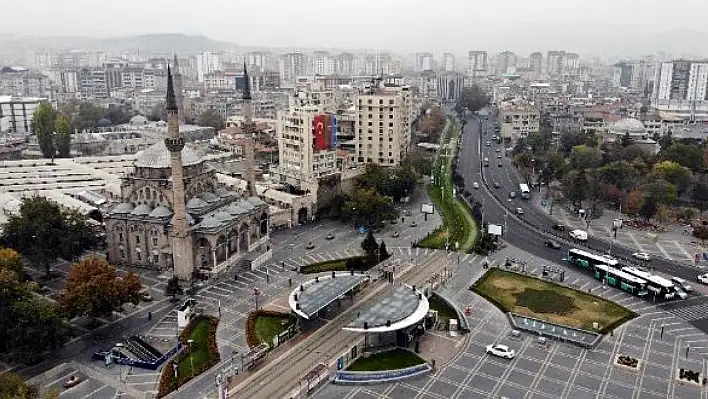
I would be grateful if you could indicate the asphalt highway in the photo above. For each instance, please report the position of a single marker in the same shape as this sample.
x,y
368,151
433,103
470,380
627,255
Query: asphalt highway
x,y
530,231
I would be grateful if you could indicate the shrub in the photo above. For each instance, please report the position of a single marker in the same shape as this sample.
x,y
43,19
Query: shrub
x,y
628,361
689,375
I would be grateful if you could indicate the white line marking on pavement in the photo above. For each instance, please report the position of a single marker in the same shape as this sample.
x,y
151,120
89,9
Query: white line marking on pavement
x,y
683,250
663,251
636,242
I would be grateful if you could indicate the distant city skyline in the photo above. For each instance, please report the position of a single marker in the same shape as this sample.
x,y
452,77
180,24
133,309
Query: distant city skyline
x,y
603,27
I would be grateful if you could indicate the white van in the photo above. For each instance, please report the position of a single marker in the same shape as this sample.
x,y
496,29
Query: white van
x,y
580,235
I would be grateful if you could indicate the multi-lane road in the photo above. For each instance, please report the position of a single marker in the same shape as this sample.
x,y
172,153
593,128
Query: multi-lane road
x,y
528,234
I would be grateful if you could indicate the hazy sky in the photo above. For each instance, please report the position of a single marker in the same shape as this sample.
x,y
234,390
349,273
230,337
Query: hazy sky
x,y
403,25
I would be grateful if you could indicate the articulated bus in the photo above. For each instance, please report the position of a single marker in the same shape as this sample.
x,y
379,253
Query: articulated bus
x,y
619,279
657,285
589,260
525,192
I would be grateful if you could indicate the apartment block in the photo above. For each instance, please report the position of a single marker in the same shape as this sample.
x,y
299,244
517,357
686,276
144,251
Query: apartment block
x,y
518,121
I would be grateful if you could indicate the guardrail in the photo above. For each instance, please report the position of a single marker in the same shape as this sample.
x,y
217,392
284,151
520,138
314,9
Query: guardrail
x,y
379,377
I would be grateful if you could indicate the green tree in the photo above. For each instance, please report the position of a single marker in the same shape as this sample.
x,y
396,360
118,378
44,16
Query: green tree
x,y
369,245
11,260
420,161
700,194
583,157
701,232
44,125
42,232
632,152
661,191
648,209
94,288
13,387
688,155
173,289
679,176
117,114
575,187
212,119
369,208
63,137
36,325
383,251
620,174
158,113
472,99
88,116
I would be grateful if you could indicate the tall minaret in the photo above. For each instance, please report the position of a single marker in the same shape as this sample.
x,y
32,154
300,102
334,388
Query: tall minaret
x,y
249,129
179,96
182,250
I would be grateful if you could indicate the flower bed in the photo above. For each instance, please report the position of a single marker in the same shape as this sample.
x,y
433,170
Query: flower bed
x,y
204,354
627,362
689,376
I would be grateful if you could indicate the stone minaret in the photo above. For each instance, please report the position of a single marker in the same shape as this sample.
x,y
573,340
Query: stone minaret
x,y
249,129
182,249
179,96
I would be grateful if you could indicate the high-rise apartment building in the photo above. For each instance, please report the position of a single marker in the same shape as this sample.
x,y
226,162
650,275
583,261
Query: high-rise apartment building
x,y
555,63
681,88
344,64
383,125
21,82
506,63
291,66
448,62
322,63
424,62
477,64
207,62
536,64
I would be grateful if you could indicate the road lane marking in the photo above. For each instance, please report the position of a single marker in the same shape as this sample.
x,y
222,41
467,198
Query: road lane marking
x,y
683,250
663,251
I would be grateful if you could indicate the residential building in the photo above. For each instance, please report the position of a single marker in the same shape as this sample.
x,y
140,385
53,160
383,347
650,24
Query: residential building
x,y
425,62
506,63
681,89
93,84
24,83
555,63
383,120
345,64
449,85
518,121
292,65
207,62
536,65
20,111
477,64
448,62
321,64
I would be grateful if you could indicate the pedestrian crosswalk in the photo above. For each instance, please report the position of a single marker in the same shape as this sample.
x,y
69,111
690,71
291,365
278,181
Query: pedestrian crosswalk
x,y
690,310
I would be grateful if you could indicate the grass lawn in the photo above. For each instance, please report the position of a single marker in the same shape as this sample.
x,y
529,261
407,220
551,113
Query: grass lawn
x,y
200,351
456,215
268,326
328,266
391,360
445,313
548,301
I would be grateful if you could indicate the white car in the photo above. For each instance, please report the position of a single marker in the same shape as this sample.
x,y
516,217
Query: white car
x,y
681,293
579,235
642,256
703,278
681,283
519,211
475,185
500,351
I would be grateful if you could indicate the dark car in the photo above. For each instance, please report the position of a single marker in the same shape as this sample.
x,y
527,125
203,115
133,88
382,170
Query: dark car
x,y
496,185
558,227
310,245
552,244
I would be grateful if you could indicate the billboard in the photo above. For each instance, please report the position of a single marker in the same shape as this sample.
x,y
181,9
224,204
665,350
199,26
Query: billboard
x,y
324,130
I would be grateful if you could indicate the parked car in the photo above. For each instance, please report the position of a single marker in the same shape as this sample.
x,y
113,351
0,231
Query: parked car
x,y
642,256
499,156
395,234
681,283
145,296
413,224
703,278
500,351
500,164
475,185
512,194
310,245
558,227
329,236
496,185
498,150
681,293
552,244
488,143
519,211
72,382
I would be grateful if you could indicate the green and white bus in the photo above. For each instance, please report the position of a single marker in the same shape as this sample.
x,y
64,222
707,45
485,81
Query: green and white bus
x,y
588,260
619,279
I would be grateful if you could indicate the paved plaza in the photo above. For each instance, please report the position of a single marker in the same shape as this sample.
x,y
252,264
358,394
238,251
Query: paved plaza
x,y
558,370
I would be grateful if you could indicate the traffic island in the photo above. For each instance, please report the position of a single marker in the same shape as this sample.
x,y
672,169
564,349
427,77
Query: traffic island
x,y
200,352
383,367
627,362
547,304
688,377
269,327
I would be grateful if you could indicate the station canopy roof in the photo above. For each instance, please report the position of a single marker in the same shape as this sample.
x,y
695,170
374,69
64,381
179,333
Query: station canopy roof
x,y
321,291
402,308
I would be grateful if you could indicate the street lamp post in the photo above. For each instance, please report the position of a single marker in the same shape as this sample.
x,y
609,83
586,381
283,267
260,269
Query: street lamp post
x,y
256,294
191,355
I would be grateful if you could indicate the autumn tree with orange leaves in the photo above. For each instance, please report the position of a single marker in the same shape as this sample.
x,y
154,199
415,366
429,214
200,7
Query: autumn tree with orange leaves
x,y
94,288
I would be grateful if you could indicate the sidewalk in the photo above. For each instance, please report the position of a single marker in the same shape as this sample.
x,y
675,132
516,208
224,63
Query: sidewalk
x,y
672,244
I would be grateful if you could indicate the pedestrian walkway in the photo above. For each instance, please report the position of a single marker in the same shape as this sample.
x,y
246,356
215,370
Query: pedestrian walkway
x,y
673,244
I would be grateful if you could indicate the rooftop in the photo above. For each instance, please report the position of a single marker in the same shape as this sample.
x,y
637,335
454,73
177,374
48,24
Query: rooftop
x,y
157,156
404,307
321,291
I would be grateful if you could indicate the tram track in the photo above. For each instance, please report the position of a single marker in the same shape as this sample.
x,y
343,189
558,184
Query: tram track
x,y
281,376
